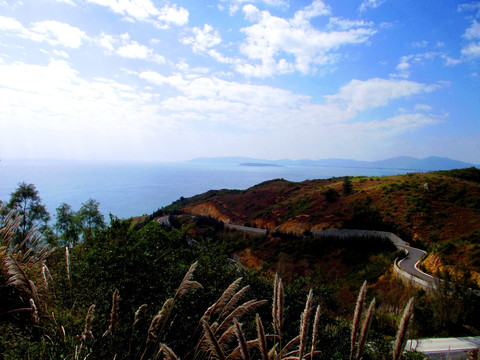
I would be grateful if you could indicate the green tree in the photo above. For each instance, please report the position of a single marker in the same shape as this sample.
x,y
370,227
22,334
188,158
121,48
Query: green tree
x,y
90,218
67,225
27,203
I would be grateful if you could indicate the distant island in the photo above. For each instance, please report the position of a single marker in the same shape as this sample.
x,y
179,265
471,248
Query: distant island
x,y
256,164
408,163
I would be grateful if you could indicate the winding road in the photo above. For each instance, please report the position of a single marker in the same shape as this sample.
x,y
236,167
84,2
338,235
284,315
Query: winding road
x,y
447,348
409,264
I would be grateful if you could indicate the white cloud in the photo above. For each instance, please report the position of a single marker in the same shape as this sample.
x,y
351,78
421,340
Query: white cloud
x,y
57,33
420,44
473,32
346,24
360,95
235,5
474,6
137,9
472,49
69,2
53,32
273,40
423,107
47,103
407,61
173,15
366,4
9,24
61,53
127,48
203,39
11,3
47,106
145,10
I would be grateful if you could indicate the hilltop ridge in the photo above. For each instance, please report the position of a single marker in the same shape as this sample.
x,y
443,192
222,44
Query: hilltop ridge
x,y
436,211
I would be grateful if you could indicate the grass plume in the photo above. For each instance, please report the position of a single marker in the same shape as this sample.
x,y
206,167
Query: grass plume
x,y
262,340
315,331
402,330
357,316
305,318
87,330
365,329
112,327
242,342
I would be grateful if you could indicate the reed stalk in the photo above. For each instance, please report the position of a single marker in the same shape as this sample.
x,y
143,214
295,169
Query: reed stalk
x,y
402,330
262,340
315,331
365,329
242,342
357,316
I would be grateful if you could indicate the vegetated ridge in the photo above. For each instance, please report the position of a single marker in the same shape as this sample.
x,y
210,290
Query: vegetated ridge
x,y
437,211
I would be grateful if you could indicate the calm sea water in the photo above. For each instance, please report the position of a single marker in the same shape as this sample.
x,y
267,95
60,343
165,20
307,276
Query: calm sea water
x,y
132,189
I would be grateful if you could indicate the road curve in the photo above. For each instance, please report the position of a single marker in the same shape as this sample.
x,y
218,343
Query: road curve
x,y
410,263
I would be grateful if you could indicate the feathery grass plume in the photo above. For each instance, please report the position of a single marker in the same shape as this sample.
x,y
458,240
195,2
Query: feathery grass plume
x,y
212,342
187,285
262,340
46,276
365,328
67,263
222,300
36,318
112,327
357,316
136,317
304,320
87,330
272,354
242,342
18,278
232,304
275,303
158,323
243,309
227,337
279,313
315,331
287,347
168,353
402,330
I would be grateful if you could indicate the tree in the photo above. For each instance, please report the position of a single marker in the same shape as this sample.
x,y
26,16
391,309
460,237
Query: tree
x,y
90,217
347,186
67,225
26,202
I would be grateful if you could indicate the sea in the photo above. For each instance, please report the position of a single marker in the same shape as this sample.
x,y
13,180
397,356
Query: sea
x,y
128,189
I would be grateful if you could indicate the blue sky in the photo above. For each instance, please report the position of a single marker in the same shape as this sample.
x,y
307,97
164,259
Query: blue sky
x,y
174,80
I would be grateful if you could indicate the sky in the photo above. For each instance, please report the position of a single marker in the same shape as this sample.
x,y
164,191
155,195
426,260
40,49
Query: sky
x,y
155,80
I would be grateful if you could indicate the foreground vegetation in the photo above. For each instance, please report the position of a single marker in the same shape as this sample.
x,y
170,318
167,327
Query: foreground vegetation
x,y
129,291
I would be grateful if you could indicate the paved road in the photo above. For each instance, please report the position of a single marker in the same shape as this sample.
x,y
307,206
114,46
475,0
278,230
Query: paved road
x,y
164,221
445,346
247,229
411,261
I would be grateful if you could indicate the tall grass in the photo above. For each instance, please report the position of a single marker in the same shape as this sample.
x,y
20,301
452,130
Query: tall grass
x,y
219,332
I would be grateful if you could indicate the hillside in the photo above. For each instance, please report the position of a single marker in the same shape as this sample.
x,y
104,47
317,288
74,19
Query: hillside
x,y
437,211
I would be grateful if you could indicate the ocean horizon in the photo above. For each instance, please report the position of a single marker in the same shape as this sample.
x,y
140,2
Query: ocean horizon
x,y
128,189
